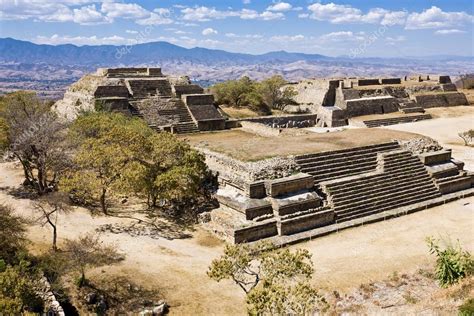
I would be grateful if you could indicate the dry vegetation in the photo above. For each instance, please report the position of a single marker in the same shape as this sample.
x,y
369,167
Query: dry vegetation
x,y
246,146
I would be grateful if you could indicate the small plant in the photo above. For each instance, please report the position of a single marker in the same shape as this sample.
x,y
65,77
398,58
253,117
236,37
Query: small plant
x,y
467,308
468,137
452,263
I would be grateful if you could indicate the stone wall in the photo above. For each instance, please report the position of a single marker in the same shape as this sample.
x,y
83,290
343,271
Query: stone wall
x,y
444,79
197,99
368,106
260,129
391,80
305,222
285,121
331,116
179,90
255,232
368,82
111,91
441,99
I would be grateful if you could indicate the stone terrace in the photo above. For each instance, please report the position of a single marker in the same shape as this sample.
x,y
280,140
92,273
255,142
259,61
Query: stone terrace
x,y
251,147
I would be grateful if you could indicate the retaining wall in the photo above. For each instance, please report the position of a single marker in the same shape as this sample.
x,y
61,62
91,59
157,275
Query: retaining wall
x,y
258,231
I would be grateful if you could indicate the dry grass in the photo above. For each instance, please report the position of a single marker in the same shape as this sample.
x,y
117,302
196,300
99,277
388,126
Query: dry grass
x,y
250,147
239,113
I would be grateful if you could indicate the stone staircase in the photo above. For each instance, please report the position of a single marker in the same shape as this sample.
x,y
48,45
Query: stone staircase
x,y
409,106
180,113
343,163
401,179
396,120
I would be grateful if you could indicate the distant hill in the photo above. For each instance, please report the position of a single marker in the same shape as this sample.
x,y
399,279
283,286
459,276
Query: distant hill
x,y
49,69
12,50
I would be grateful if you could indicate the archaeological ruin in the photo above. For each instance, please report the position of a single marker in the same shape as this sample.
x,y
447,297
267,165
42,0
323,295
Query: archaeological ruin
x,y
280,179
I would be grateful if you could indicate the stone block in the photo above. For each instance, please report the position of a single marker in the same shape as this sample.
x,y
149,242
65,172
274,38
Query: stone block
x,y
455,185
179,90
197,99
391,81
291,184
444,79
306,222
256,189
296,203
252,208
368,82
457,98
111,91
435,157
255,232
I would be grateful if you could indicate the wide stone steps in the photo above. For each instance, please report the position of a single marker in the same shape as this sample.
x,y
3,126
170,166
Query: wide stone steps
x,y
396,120
375,191
344,153
399,178
342,163
415,109
185,128
405,202
388,195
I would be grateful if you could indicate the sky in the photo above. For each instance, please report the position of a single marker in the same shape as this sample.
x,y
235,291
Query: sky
x,y
395,28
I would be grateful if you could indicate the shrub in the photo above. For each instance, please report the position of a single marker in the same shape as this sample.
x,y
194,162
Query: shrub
x,y
467,308
452,263
467,137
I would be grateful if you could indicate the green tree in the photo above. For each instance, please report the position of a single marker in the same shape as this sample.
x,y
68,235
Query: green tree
x,y
17,294
107,143
166,170
12,234
276,281
89,251
452,263
31,131
274,94
233,92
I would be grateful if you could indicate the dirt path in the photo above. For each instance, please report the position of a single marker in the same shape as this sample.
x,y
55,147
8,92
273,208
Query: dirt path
x,y
445,126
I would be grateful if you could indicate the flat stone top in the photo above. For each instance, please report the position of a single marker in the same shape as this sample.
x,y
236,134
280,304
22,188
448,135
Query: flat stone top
x,y
246,146
383,97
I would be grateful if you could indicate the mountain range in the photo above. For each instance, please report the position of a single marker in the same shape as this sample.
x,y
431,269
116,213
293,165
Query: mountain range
x,y
49,69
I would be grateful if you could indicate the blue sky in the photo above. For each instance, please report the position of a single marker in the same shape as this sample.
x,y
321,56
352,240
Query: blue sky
x,y
359,28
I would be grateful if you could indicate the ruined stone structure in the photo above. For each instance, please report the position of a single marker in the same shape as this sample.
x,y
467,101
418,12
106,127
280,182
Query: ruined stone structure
x,y
335,101
166,103
293,198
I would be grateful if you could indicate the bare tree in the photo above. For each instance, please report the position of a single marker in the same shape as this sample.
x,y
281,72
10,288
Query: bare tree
x,y
467,137
35,136
49,208
89,251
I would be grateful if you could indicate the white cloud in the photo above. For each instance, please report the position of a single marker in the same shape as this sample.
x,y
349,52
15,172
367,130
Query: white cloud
x,y
395,39
82,40
337,13
343,36
246,1
154,19
280,6
204,14
209,31
248,36
450,31
89,15
434,17
267,16
124,10
131,32
287,38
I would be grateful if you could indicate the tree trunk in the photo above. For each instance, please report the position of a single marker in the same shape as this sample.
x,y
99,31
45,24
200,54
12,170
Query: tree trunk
x,y
55,237
102,201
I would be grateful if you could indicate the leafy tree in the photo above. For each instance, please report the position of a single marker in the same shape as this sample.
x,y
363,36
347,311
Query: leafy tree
x,y
34,135
276,281
122,155
452,263
167,170
233,92
17,294
89,251
273,93
107,143
49,209
12,233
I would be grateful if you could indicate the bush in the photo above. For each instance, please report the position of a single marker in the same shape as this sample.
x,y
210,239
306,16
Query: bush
x,y
452,263
467,308
467,137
